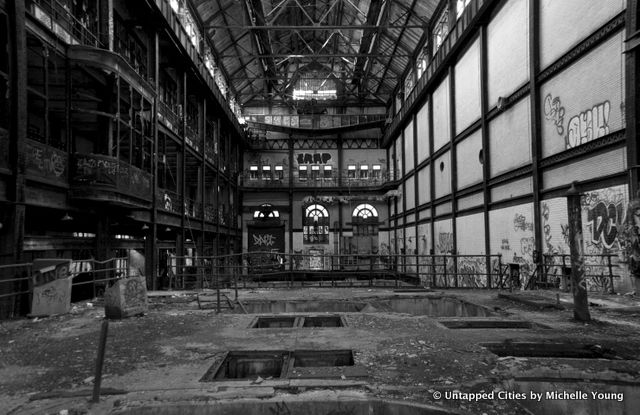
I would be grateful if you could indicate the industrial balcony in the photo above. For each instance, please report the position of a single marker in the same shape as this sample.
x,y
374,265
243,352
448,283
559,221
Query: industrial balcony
x,y
316,121
107,179
346,181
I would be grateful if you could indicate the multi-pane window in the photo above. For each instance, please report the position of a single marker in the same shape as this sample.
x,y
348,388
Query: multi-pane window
x,y
253,173
127,43
316,225
328,172
365,220
460,6
441,29
351,171
279,172
265,211
302,172
364,171
46,95
376,172
315,172
266,173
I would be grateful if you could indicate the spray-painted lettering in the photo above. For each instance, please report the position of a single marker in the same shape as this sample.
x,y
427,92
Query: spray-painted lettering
x,y
520,223
554,111
315,158
588,125
264,240
604,220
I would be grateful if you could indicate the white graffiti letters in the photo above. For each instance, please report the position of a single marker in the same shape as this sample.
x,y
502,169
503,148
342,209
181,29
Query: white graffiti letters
x,y
588,125
264,240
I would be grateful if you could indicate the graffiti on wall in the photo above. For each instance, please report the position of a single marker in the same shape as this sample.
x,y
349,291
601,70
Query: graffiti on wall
x,y
554,111
605,214
520,223
444,244
315,158
472,271
265,240
527,245
549,247
586,126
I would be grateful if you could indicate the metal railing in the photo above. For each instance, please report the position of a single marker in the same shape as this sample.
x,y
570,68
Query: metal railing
x,y
15,287
70,27
601,271
317,269
169,117
249,180
316,121
89,277
101,171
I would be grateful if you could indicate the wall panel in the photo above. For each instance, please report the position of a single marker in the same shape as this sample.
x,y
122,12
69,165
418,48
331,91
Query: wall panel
x,y
443,175
513,189
441,111
510,138
409,149
471,201
423,132
508,50
601,164
443,231
424,185
565,23
410,192
585,101
511,234
399,155
444,209
467,88
468,161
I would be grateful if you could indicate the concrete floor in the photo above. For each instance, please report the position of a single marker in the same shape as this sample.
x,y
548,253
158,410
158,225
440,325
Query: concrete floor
x,y
46,365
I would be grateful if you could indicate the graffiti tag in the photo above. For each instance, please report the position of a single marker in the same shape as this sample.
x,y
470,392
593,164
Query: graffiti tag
x,y
264,240
588,125
520,223
445,242
554,111
604,220
315,158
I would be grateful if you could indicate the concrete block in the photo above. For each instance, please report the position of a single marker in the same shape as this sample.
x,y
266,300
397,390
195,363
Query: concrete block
x,y
51,287
52,298
125,298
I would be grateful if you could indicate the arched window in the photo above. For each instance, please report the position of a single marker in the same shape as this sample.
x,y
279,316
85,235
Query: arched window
x,y
365,220
365,211
316,225
266,211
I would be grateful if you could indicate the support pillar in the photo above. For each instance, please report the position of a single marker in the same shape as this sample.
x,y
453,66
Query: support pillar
x,y
578,281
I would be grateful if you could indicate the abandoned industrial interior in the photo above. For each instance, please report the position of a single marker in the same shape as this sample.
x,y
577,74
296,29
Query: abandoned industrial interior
x,y
319,207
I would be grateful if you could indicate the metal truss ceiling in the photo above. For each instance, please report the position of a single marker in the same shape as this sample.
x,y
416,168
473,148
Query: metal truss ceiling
x,y
364,46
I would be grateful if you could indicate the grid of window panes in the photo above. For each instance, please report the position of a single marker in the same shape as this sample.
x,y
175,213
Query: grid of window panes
x,y
441,29
316,225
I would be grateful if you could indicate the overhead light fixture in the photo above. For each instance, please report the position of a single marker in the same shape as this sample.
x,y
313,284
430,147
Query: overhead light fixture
x,y
145,227
66,217
168,229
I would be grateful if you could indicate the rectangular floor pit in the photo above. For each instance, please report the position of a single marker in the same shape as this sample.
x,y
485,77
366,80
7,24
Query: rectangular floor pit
x,y
490,324
322,358
298,364
552,350
323,321
273,322
278,322
249,365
